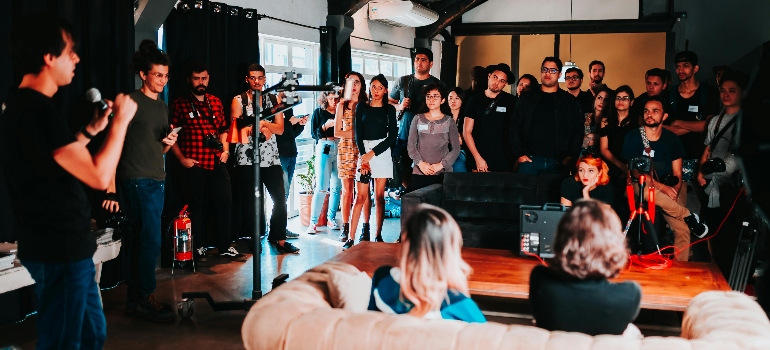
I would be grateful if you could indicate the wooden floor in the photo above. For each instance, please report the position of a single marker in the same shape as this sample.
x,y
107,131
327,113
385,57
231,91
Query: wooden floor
x,y
501,273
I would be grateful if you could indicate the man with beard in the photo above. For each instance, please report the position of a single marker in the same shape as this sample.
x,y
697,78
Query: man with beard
x,y
547,128
201,148
692,105
407,97
656,83
487,120
596,73
574,79
666,152
270,171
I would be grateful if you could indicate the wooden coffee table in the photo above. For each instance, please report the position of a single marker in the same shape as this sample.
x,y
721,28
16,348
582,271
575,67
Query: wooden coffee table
x,y
501,273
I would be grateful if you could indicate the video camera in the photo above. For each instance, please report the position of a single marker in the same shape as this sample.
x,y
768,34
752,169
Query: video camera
x,y
641,164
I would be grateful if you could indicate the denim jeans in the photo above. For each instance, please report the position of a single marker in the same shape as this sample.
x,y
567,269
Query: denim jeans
x,y
460,165
540,165
143,203
69,312
288,164
327,181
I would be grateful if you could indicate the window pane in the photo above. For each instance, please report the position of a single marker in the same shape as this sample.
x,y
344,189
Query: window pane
x,y
358,64
400,69
299,57
276,54
272,79
307,79
386,68
372,66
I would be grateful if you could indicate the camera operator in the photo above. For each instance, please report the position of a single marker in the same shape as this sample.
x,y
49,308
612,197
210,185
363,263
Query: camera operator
x,y
202,149
46,166
665,151
717,164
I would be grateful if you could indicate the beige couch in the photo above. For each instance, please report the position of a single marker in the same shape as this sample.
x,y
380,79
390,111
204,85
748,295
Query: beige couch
x,y
325,309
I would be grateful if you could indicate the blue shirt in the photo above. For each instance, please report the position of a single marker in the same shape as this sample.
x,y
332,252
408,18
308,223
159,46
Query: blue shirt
x,y
386,297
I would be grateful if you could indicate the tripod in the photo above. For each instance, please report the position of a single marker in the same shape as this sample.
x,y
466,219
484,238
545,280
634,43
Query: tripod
x,y
645,216
744,252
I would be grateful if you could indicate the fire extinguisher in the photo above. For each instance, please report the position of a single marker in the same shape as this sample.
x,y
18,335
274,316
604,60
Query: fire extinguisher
x,y
183,240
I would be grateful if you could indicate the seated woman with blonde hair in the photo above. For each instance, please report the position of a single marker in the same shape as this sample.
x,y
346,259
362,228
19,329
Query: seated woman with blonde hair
x,y
573,294
431,280
591,181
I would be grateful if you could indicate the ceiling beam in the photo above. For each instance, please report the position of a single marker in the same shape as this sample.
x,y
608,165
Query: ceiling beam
x,y
447,15
345,7
565,27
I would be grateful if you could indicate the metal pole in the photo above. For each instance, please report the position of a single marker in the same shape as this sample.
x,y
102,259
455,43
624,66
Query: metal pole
x,y
256,292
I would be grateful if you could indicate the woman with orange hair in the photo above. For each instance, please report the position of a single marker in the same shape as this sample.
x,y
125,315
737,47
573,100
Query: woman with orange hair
x,y
591,181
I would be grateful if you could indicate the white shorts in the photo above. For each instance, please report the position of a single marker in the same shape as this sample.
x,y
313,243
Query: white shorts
x,y
382,165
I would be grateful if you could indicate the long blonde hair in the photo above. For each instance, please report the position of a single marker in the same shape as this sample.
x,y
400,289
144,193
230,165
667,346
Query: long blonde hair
x,y
430,259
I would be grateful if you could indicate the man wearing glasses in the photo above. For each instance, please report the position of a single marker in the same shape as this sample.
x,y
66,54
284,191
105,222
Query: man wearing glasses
x,y
271,173
407,97
547,128
574,78
487,121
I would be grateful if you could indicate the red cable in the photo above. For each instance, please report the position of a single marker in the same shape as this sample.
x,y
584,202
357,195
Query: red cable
x,y
530,254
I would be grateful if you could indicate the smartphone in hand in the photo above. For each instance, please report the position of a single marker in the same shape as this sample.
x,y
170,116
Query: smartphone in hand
x,y
176,130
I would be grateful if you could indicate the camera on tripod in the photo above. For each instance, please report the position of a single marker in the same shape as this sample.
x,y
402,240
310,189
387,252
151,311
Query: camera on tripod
x,y
641,164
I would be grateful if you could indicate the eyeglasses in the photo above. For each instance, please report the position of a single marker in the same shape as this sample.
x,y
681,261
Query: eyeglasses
x,y
571,77
549,70
262,78
159,75
622,98
432,97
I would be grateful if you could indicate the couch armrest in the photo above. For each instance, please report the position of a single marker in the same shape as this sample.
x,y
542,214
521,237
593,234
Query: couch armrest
x,y
431,195
727,316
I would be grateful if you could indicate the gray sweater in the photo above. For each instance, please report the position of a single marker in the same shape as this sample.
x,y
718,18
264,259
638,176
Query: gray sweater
x,y
430,142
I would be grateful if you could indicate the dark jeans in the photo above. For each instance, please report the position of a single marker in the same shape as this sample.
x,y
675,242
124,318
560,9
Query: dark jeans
x,y
244,218
420,181
540,165
143,203
287,165
210,188
69,312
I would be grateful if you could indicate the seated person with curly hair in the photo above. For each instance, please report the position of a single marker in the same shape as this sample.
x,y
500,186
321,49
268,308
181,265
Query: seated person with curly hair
x,y
591,181
573,294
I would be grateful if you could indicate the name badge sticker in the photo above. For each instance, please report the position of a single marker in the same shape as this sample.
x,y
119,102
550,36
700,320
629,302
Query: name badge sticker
x,y
422,127
693,109
500,109
652,153
192,115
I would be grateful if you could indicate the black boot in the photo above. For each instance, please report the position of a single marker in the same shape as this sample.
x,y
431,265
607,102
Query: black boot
x,y
365,234
345,232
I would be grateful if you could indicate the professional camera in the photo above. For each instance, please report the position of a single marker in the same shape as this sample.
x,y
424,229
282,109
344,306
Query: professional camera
x,y
713,165
641,164
212,141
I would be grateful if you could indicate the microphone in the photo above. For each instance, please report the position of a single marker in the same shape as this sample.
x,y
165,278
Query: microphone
x,y
94,96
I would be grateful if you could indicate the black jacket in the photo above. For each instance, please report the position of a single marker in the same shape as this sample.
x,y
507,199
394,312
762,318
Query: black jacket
x,y
569,126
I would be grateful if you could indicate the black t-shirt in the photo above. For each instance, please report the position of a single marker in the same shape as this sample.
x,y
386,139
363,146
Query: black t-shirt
x,y
287,145
543,140
142,155
665,150
374,123
490,130
590,306
52,211
695,108
616,136
319,118
586,101
416,99
572,190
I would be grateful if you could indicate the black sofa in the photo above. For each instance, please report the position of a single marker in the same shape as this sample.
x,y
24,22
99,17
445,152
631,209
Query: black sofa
x,y
486,205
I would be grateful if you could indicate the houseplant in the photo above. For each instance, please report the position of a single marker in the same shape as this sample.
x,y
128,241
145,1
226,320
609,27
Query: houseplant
x,y
307,182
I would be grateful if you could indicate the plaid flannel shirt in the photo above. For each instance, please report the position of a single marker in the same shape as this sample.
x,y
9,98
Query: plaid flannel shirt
x,y
210,118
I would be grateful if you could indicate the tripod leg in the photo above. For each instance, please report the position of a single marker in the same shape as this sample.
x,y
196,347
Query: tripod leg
x,y
650,227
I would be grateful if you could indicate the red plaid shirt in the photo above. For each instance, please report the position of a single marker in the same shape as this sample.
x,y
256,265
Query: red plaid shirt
x,y
196,125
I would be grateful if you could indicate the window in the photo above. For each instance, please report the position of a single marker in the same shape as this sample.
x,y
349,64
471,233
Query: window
x,y
370,64
280,55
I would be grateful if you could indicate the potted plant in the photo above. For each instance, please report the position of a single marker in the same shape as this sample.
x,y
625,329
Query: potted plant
x,y
307,183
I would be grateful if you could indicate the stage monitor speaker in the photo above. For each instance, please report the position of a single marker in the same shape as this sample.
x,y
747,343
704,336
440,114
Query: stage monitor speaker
x,y
538,228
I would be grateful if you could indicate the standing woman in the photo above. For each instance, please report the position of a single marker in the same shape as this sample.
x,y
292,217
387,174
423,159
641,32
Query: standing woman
x,y
434,141
327,174
596,120
376,130
455,103
347,156
619,123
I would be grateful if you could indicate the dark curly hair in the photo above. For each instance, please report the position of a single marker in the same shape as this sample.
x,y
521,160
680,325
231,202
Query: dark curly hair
x,y
148,56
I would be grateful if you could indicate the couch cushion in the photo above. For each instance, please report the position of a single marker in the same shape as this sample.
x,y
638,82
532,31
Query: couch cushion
x,y
487,195
490,233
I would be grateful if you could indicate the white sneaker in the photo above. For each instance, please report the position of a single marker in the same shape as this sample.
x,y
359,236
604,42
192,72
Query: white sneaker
x,y
312,229
202,251
332,224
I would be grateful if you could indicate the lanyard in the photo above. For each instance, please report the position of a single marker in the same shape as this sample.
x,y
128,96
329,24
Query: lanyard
x,y
195,110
